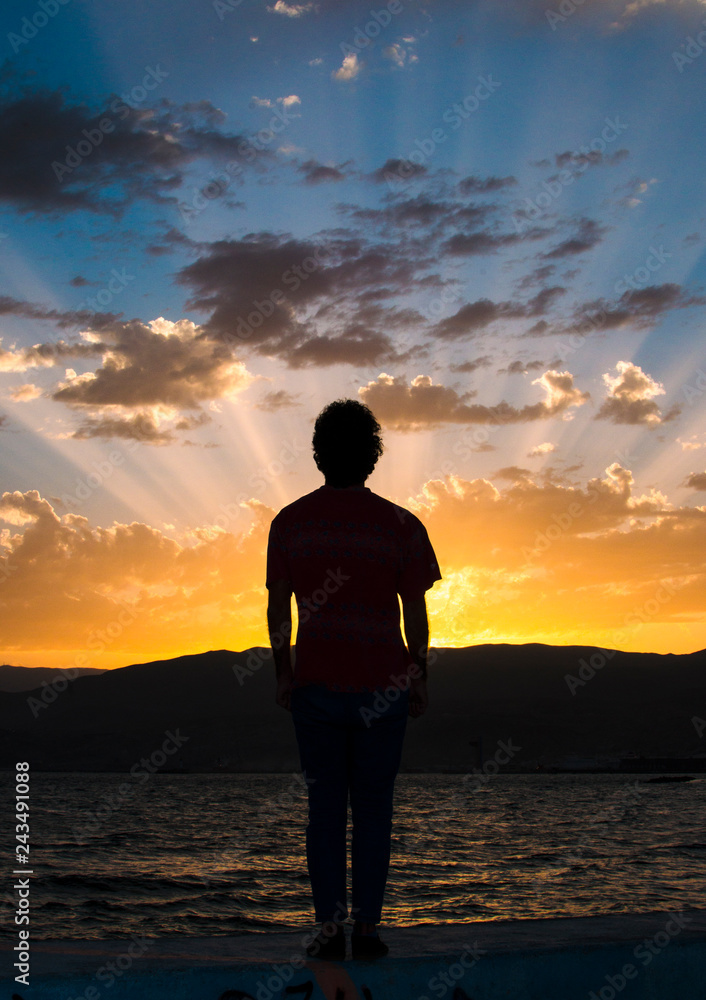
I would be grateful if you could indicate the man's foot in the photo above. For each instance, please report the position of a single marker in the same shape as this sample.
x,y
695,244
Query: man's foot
x,y
330,943
366,943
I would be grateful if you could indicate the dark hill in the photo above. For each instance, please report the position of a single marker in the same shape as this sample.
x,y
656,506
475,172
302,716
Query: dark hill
x,y
639,702
28,678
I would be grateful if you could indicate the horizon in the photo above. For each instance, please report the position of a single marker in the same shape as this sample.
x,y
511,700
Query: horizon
x,y
432,649
223,219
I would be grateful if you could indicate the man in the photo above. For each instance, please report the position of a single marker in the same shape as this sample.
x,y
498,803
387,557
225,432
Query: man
x,y
346,553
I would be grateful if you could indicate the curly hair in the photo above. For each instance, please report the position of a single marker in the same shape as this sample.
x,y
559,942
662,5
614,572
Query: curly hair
x,y
347,442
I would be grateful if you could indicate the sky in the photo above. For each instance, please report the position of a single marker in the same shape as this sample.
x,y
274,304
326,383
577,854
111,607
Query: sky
x,y
484,220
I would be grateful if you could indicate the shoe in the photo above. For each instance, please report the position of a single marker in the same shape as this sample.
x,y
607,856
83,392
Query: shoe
x,y
327,945
368,946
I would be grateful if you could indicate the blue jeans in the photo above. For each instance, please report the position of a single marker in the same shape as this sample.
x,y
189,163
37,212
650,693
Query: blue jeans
x,y
342,749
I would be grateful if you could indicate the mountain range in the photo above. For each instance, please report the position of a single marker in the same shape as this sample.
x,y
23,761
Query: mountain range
x,y
546,703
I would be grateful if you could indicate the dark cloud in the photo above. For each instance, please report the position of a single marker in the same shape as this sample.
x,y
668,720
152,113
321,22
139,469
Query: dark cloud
x,y
397,171
278,399
355,347
421,210
483,185
268,293
588,235
639,308
475,316
62,317
140,427
696,481
522,367
66,156
537,277
488,241
467,367
317,173
513,473
592,158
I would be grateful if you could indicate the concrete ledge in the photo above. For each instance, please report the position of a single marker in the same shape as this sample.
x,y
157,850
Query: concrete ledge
x,y
646,956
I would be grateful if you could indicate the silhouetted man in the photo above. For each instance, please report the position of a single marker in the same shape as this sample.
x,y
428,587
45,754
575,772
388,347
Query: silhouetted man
x,y
346,553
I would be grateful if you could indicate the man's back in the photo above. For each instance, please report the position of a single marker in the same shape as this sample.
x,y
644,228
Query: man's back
x,y
347,554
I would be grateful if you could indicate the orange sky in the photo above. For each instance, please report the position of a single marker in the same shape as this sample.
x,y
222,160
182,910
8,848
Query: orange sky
x,y
521,562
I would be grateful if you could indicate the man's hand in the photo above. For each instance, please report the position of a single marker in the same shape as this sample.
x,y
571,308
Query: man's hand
x,y
284,691
418,698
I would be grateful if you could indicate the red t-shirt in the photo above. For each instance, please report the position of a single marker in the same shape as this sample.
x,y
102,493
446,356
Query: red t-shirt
x,y
347,554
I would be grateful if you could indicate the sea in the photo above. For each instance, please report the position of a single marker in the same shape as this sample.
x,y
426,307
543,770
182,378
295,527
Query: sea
x,y
194,855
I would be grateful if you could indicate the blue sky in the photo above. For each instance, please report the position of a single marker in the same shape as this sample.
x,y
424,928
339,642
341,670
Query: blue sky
x,y
469,283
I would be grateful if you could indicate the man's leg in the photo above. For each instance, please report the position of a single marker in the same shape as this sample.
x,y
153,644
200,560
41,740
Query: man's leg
x,y
375,760
319,724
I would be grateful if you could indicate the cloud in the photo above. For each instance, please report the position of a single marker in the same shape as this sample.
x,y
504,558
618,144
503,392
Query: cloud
x,y
396,170
157,363
67,157
421,210
633,188
467,367
292,9
562,563
294,299
538,276
148,374
424,404
692,443
541,449
278,399
630,398
592,158
170,589
23,393
317,173
484,185
487,242
637,308
63,318
522,367
589,234
349,68
696,481
45,355
476,316
396,53
513,473
145,427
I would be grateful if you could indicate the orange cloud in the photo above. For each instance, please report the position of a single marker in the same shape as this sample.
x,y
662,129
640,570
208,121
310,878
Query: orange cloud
x,y
425,404
562,564
595,563
127,592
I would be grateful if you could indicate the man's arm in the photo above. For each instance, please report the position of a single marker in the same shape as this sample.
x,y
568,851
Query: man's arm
x,y
279,624
416,628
